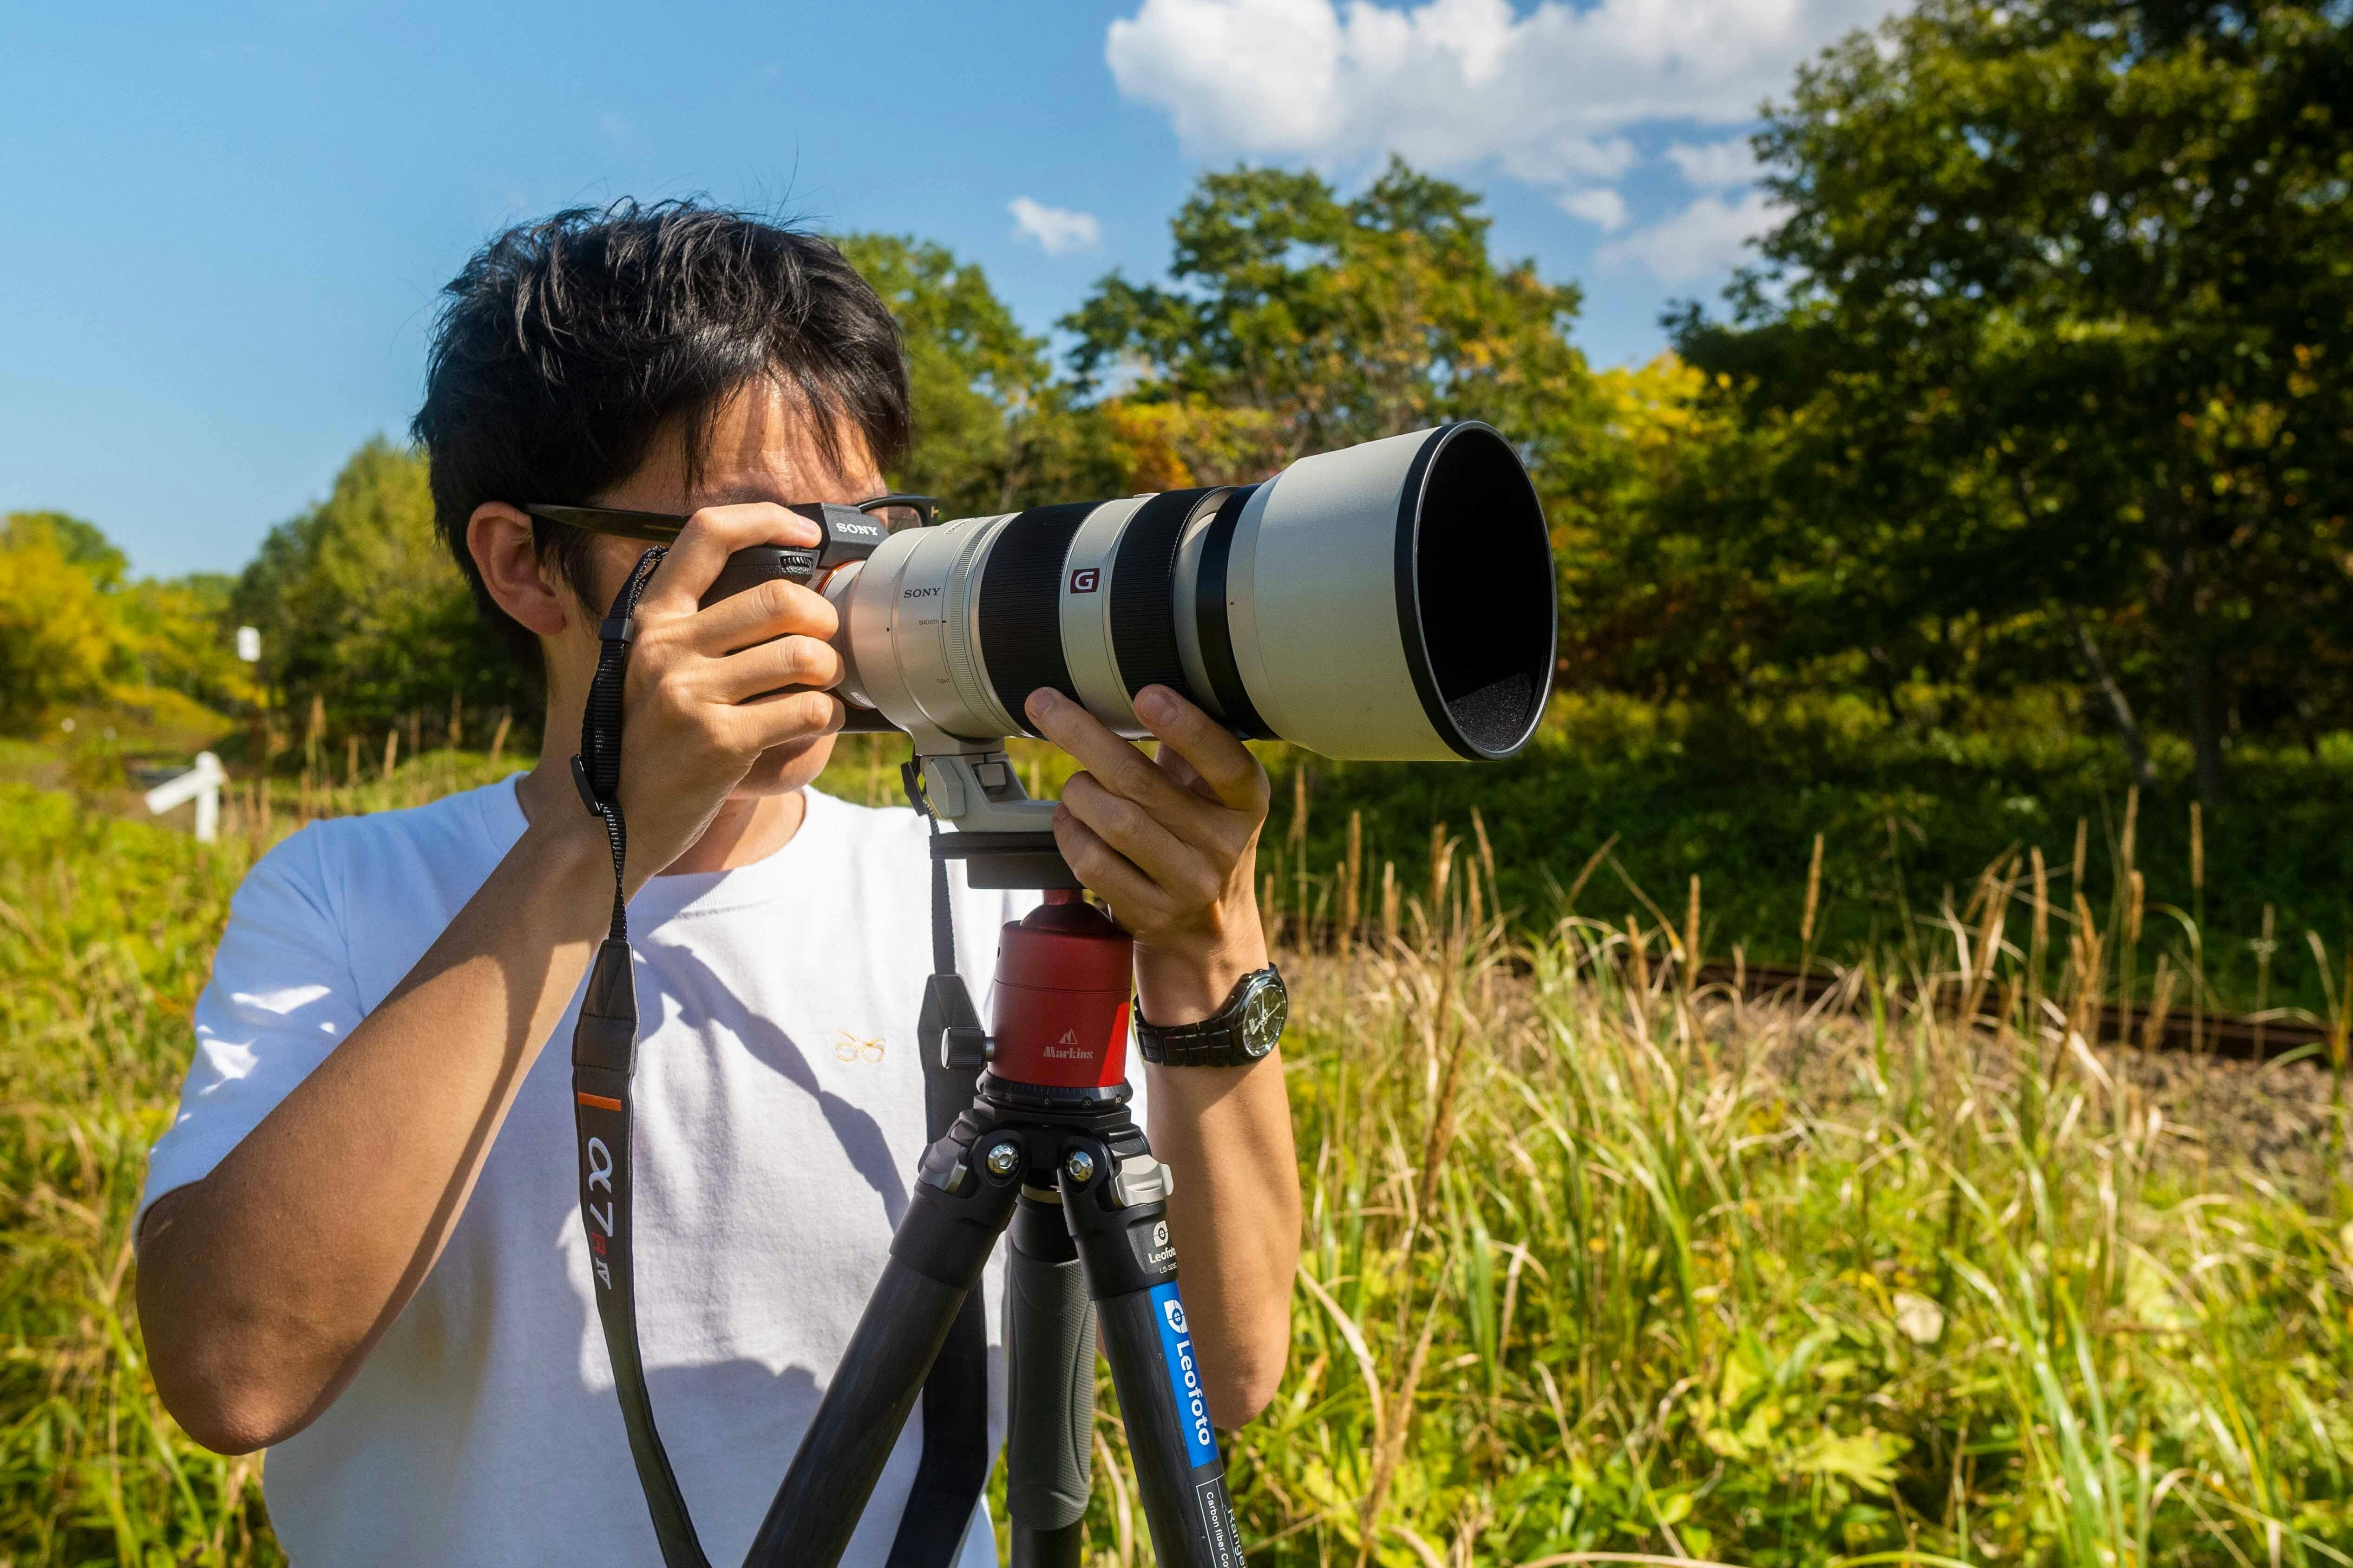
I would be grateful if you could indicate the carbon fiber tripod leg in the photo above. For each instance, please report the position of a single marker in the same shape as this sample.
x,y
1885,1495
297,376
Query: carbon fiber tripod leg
x,y
1051,1385
1118,1216
960,1207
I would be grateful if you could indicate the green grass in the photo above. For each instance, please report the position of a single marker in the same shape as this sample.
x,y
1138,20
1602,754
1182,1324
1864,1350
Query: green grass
x,y
1695,1277
1595,1262
107,929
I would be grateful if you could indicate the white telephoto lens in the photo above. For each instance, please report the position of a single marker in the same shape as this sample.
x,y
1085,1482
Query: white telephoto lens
x,y
1393,601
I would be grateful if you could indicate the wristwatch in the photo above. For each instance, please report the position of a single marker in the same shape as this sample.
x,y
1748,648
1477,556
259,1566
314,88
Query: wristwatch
x,y
1236,1035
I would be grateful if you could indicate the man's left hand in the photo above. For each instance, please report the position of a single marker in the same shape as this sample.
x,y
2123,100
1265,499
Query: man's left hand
x,y
1170,844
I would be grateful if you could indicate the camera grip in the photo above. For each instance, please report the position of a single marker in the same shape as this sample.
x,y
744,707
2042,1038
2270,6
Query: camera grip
x,y
761,563
765,564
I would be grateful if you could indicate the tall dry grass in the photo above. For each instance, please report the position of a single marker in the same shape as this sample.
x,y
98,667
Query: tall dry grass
x,y
1603,1261
1599,1261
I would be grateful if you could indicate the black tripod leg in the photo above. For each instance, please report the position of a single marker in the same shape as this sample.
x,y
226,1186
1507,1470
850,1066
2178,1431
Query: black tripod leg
x,y
1117,1209
959,1208
1050,1341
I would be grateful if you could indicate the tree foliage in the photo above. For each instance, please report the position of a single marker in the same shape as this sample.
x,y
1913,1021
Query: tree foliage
x,y
56,638
74,631
2049,358
359,606
994,429
1296,321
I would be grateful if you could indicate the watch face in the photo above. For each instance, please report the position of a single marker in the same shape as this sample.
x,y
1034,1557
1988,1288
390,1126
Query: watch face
x,y
1263,1012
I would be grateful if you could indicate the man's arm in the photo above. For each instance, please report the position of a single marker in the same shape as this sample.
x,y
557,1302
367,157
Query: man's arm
x,y
1172,847
263,1286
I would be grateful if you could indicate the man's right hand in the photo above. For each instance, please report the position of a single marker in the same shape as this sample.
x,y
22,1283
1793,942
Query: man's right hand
x,y
703,704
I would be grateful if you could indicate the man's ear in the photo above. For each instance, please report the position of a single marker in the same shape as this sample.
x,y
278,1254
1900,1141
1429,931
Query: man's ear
x,y
500,538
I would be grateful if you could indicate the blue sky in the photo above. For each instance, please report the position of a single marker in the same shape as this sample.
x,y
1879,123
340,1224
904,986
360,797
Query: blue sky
x,y
224,227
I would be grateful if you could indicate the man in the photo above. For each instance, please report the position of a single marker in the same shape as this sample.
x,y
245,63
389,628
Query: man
x,y
362,1247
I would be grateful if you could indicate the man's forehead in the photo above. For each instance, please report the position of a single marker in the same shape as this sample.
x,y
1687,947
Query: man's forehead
x,y
764,445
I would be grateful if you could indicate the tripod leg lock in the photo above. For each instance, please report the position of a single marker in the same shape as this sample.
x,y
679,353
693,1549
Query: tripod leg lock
x,y
960,1201
1141,1179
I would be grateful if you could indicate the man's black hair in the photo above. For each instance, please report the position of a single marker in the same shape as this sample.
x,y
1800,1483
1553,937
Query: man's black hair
x,y
564,345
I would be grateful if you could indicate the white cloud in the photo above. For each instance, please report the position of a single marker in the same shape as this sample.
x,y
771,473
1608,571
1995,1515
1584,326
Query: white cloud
x,y
1058,230
1450,82
1600,205
1714,166
1706,237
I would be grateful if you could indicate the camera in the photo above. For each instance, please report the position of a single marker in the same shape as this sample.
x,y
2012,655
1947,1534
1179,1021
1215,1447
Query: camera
x,y
1392,601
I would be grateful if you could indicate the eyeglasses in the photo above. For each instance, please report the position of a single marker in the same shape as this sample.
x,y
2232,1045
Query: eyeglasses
x,y
896,510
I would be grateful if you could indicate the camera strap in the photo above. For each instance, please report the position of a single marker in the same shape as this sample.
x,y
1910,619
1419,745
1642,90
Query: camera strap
x,y
604,1064
954,1468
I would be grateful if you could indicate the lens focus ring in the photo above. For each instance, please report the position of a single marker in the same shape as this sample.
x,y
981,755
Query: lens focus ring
x,y
1020,595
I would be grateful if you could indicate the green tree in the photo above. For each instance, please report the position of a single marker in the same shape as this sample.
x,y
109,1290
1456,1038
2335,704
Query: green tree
x,y
1296,322
994,430
179,636
2053,344
58,633
83,544
1676,583
358,603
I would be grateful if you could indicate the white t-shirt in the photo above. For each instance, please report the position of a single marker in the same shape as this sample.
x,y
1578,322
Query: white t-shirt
x,y
779,1113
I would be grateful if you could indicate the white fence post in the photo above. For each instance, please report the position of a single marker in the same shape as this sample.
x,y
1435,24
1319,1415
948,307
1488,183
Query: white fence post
x,y
201,784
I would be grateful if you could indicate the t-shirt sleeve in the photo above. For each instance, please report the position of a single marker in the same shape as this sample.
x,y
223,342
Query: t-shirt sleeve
x,y
282,996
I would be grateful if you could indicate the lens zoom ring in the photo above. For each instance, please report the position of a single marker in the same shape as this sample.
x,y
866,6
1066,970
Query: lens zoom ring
x,y
1021,606
1144,594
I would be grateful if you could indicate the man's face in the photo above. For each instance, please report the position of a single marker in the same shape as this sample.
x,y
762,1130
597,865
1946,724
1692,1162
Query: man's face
x,y
759,450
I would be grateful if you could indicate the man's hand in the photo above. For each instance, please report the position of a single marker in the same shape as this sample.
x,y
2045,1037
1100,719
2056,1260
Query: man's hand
x,y
697,719
1171,844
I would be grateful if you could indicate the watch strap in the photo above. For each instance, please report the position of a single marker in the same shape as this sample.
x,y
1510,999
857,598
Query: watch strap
x,y
1214,1041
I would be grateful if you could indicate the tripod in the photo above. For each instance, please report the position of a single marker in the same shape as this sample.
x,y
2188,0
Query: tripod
x,y
1046,1146
1049,1147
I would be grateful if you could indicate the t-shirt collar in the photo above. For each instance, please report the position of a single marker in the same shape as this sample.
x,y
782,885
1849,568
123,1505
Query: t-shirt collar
x,y
665,896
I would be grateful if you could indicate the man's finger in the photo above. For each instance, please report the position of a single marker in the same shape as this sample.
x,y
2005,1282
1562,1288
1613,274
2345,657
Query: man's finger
x,y
1172,762
1216,758
1178,869
771,667
1119,766
711,536
773,609
783,717
1105,869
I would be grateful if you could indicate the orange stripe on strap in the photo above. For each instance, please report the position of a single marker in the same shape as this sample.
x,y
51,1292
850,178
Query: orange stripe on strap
x,y
598,1101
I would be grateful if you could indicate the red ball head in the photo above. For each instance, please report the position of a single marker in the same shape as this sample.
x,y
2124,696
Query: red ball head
x,y
1064,975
